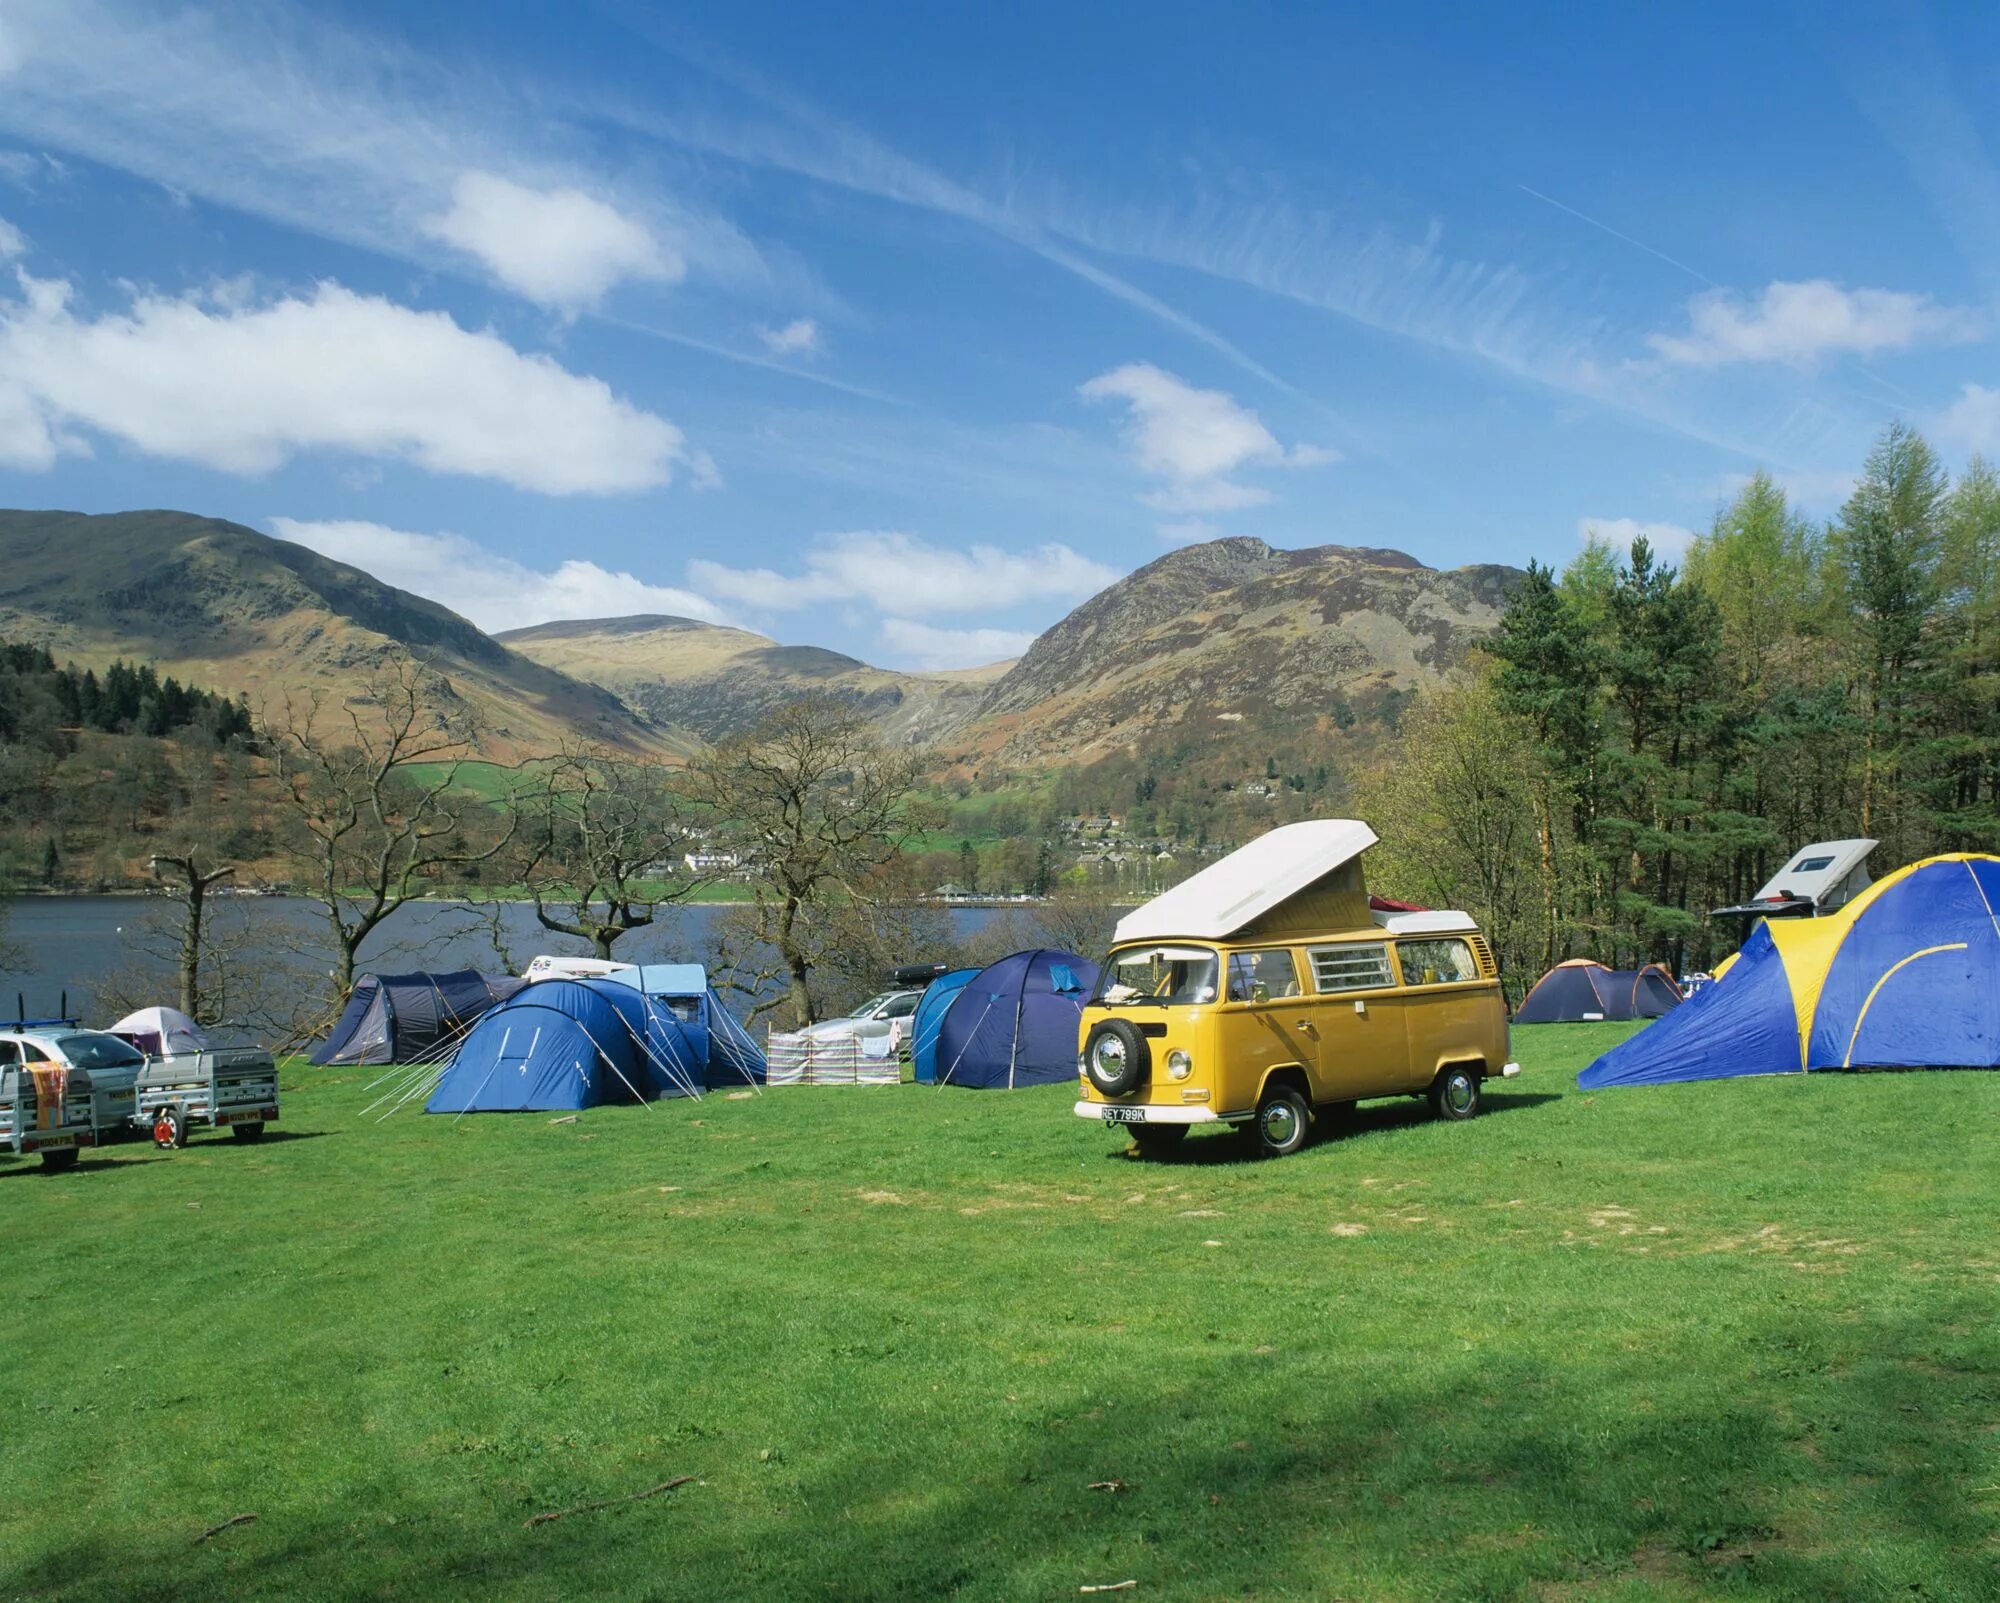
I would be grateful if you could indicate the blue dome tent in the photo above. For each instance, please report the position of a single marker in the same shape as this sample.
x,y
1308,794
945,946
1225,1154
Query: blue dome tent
x,y
637,1034
929,1020
1583,989
1905,976
400,1018
558,1045
1014,1023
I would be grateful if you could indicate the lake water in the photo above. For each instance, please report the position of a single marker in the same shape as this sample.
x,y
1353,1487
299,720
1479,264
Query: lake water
x,y
71,943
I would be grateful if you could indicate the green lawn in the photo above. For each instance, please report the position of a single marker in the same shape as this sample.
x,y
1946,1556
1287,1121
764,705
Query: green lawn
x,y
1726,1340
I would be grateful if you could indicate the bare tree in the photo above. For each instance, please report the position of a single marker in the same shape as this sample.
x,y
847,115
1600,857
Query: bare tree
x,y
1079,918
607,846
189,875
254,981
373,797
814,805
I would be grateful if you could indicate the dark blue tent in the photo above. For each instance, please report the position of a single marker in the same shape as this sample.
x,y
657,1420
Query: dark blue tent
x,y
399,1018
562,1044
1905,976
1582,990
1014,1023
929,1020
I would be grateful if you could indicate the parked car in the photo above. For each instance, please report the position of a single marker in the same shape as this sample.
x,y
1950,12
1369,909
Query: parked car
x,y
1267,989
890,1014
45,1106
99,1071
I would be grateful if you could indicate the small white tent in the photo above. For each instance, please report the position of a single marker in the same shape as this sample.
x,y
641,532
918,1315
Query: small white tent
x,y
161,1032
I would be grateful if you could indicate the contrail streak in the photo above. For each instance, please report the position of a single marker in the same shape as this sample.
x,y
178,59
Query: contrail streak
x,y
1636,244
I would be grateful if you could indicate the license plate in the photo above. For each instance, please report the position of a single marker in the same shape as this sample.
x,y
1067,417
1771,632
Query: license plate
x,y
1124,1115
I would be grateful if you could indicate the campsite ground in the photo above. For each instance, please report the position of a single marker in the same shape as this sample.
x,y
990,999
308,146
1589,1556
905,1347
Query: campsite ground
x,y
1732,1339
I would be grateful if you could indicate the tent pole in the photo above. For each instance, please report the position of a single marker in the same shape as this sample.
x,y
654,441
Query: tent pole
x,y
1020,1003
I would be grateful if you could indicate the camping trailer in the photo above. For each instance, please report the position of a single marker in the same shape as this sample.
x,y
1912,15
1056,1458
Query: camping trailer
x,y
1816,880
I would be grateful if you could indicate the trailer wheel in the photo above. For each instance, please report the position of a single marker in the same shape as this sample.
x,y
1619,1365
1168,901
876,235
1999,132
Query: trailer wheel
x,y
248,1132
170,1129
58,1159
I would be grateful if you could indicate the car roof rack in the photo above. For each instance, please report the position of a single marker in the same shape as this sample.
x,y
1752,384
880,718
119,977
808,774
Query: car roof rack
x,y
23,1022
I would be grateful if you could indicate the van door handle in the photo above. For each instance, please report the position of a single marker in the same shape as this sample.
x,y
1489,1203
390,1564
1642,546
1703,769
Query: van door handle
x,y
1306,1025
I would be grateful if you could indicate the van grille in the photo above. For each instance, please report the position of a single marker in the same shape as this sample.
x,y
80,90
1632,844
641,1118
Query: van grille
x,y
1484,953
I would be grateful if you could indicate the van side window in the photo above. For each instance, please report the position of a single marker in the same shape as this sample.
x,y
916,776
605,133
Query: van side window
x,y
10,1052
1352,968
1262,976
1436,962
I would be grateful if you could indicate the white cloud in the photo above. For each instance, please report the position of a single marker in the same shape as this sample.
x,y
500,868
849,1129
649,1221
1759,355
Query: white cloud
x,y
799,337
1973,420
1668,540
903,576
1195,438
12,241
242,388
560,247
12,52
925,647
1800,323
495,592
284,113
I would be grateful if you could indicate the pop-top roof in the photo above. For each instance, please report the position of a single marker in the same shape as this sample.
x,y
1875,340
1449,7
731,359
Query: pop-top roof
x,y
1427,921
1249,882
663,979
1812,871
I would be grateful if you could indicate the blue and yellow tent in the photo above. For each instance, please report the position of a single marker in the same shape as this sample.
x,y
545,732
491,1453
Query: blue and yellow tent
x,y
1906,976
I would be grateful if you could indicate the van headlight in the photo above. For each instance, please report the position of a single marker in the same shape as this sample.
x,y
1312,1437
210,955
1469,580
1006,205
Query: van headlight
x,y
1179,1064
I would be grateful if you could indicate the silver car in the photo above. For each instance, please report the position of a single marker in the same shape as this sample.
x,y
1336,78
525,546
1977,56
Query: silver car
x,y
890,1014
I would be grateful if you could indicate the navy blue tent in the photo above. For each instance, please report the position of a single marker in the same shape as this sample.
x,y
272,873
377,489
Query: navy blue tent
x,y
1582,990
929,1020
1014,1023
399,1018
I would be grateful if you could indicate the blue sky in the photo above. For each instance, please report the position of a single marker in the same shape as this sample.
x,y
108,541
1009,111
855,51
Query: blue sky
x,y
901,329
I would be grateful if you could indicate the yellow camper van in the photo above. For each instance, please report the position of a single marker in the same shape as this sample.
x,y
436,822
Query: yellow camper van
x,y
1265,990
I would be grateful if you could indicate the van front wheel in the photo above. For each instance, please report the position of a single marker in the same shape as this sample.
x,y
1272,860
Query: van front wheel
x,y
1284,1120
1455,1092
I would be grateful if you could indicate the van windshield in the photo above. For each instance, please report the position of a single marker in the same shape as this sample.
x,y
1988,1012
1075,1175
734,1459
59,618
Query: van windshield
x,y
1157,976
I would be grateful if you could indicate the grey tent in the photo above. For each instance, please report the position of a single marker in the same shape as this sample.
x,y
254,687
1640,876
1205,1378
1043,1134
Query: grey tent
x,y
399,1018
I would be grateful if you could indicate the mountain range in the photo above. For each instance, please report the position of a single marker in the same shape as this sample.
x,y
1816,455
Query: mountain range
x,y
1231,642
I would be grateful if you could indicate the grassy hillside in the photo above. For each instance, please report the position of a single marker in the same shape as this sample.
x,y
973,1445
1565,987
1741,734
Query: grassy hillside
x,y
1724,1340
221,605
1234,645
718,681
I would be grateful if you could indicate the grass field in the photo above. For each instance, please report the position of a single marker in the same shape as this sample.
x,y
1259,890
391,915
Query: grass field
x,y
1728,1340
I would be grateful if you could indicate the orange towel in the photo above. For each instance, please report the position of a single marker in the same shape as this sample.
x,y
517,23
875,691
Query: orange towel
x,y
51,1085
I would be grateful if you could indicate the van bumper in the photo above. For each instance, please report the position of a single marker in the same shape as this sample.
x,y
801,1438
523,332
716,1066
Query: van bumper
x,y
1144,1113
1509,1071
